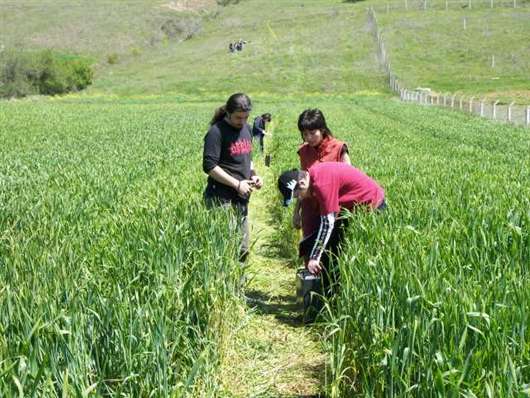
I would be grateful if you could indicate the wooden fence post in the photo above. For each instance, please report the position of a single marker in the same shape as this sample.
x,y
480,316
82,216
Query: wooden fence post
x,y
453,101
461,102
482,107
495,110
493,61
471,104
465,23
527,117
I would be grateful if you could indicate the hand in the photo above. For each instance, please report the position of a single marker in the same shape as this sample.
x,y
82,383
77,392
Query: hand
x,y
257,181
244,188
314,267
297,220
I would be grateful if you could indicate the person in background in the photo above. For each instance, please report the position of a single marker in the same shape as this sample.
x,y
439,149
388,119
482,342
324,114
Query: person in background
x,y
227,161
259,128
319,146
333,186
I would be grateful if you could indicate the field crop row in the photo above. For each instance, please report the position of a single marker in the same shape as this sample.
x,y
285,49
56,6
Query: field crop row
x,y
114,280
435,293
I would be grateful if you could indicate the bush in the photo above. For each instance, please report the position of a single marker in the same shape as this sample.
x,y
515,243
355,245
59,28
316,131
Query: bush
x,y
112,59
225,3
183,29
45,72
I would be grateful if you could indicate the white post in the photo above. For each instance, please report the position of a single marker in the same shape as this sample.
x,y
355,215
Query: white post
x,y
437,100
444,99
495,110
471,104
482,107
527,117
461,102
491,3
514,3
406,5
453,101
510,111
469,4
446,5
465,23
493,61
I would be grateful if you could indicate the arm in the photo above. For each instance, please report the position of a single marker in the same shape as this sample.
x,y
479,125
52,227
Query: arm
x,y
256,180
327,223
344,155
297,217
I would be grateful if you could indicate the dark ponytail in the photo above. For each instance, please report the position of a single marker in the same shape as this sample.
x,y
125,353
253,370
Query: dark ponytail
x,y
238,102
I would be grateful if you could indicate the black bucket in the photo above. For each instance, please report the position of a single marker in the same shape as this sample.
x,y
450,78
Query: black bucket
x,y
308,294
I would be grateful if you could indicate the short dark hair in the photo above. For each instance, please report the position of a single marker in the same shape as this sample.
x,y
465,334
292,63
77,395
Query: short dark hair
x,y
313,119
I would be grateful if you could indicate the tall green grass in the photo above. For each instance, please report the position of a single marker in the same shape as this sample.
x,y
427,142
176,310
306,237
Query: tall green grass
x,y
434,295
114,280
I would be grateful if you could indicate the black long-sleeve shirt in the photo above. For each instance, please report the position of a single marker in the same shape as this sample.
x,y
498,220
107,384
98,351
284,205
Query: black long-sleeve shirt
x,y
231,149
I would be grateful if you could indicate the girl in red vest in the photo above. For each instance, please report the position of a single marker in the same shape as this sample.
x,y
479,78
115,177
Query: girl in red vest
x,y
319,146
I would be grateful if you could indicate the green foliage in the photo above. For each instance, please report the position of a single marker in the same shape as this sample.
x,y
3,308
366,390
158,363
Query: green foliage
x,y
44,72
112,59
225,3
181,28
435,291
113,276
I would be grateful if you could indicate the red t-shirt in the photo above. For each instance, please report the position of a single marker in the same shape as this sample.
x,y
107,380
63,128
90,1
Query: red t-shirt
x,y
336,185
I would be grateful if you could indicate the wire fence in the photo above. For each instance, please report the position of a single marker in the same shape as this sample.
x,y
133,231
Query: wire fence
x,y
487,108
425,5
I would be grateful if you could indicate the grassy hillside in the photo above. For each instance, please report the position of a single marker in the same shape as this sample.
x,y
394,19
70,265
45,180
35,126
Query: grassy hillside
x,y
294,47
432,49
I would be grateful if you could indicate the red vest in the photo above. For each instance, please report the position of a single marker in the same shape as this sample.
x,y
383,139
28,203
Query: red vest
x,y
329,150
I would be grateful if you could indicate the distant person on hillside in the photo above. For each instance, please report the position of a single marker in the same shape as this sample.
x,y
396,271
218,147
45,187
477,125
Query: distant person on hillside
x,y
239,46
231,47
259,128
333,186
228,163
319,146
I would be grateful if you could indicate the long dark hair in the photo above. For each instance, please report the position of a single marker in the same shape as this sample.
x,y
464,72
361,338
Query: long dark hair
x,y
313,119
238,102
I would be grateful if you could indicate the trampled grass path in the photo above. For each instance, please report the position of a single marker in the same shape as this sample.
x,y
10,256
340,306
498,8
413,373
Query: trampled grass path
x,y
271,353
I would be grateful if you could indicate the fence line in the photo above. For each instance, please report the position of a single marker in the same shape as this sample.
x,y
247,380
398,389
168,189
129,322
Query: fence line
x,y
425,5
511,113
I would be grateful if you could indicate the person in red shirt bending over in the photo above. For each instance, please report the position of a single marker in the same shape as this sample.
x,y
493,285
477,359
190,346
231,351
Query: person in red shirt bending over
x,y
334,186
319,146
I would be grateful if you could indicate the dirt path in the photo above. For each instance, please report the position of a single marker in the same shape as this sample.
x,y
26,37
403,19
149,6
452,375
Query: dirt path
x,y
273,354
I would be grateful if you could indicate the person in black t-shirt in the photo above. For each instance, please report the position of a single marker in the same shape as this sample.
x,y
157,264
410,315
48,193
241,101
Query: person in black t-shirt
x,y
227,159
259,128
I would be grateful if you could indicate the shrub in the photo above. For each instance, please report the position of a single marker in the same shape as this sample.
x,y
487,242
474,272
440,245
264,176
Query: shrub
x,y
45,72
112,59
184,29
